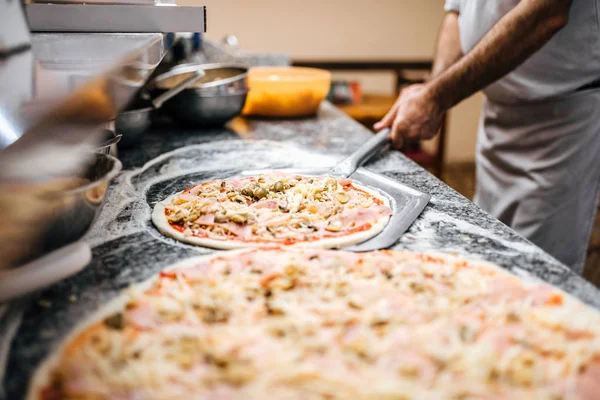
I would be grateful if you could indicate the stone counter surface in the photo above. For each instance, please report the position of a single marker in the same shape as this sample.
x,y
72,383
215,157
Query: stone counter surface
x,y
128,249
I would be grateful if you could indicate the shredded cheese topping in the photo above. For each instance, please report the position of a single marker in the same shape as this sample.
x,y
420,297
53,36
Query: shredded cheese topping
x,y
275,324
275,208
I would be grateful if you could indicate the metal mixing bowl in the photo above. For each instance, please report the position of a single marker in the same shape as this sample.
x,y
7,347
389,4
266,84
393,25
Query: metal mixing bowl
x,y
76,209
46,216
132,124
137,118
219,78
205,110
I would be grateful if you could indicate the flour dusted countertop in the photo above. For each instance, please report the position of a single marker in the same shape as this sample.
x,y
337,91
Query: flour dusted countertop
x,y
128,249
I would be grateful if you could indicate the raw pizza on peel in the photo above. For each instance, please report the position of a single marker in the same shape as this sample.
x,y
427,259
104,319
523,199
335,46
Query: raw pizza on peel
x,y
318,324
275,208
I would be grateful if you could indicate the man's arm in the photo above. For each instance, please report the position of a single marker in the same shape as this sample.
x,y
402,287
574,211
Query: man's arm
x,y
517,36
448,50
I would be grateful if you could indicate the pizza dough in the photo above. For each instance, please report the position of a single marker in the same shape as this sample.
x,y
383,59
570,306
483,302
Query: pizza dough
x,y
316,324
276,208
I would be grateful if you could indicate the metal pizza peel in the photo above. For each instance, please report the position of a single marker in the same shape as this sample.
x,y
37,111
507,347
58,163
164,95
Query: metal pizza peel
x,y
406,202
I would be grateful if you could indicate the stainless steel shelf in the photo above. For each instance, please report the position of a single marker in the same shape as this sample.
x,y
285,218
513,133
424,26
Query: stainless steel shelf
x,y
65,70
115,18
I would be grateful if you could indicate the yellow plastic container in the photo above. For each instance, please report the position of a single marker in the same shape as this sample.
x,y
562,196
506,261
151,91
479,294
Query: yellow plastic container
x,y
286,91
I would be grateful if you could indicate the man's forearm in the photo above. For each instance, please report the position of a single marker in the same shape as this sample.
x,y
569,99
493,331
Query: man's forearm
x,y
448,49
517,36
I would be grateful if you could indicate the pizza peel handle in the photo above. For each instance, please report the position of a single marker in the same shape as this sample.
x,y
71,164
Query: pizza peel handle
x,y
372,147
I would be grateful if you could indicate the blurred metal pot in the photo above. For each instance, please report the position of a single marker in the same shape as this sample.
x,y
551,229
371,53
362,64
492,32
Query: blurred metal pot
x,y
205,110
49,215
218,78
132,124
214,99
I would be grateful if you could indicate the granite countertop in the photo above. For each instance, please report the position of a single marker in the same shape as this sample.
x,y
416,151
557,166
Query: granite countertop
x,y
128,249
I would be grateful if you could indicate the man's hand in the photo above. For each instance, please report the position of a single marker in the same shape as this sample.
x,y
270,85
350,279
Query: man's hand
x,y
415,115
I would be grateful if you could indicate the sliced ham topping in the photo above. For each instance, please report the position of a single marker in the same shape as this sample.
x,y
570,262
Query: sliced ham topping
x,y
196,189
588,386
545,295
85,385
271,204
510,287
197,271
505,287
206,219
383,211
503,338
188,197
236,183
142,316
361,216
327,257
242,231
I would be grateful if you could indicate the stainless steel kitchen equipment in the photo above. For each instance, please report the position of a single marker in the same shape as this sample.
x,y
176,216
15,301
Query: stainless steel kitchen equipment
x,y
215,99
63,211
57,92
52,118
205,110
111,140
44,271
114,16
133,123
219,78
406,203
14,34
67,217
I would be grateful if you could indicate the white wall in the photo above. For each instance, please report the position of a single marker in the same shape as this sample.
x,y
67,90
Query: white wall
x,y
344,29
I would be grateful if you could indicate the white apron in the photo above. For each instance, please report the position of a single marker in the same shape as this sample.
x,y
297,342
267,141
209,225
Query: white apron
x,y
538,162
538,170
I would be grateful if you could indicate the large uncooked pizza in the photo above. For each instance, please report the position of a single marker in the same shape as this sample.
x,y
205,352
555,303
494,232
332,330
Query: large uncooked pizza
x,y
317,324
275,208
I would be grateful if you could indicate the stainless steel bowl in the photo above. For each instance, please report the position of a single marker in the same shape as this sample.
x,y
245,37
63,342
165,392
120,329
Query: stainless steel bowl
x,y
135,121
79,206
205,110
219,78
47,216
133,124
